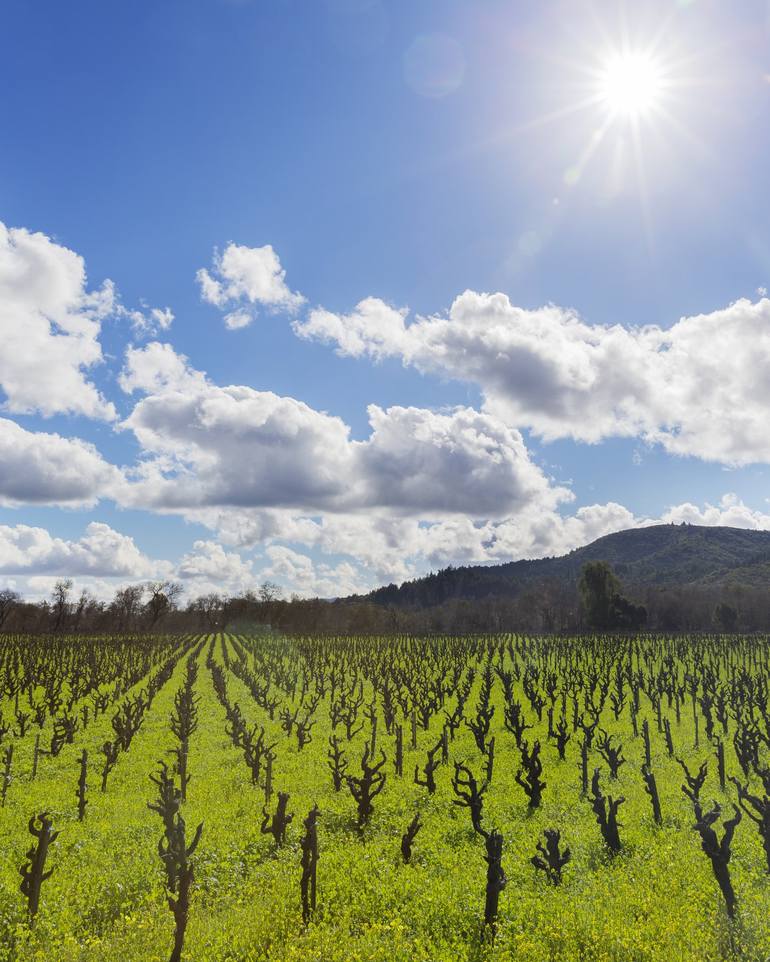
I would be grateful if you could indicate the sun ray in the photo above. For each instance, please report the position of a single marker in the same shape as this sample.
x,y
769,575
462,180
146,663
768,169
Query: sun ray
x,y
641,181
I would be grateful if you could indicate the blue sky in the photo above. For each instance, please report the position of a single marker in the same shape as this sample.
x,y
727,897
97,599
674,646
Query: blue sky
x,y
396,155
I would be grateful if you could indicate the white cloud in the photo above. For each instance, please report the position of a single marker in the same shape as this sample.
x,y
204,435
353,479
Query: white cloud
x,y
377,541
424,489
208,567
364,551
730,511
236,446
219,447
40,468
698,388
157,367
549,533
386,547
396,549
459,462
247,527
374,328
40,587
235,320
261,469
149,320
300,575
49,325
32,559
244,279
101,552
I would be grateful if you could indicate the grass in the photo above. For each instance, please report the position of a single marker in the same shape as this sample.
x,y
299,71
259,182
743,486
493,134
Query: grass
x,y
656,900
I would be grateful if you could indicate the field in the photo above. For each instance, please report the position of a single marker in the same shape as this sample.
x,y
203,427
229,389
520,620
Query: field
x,y
242,720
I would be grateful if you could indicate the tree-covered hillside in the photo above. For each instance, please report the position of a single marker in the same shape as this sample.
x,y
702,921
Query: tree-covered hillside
x,y
663,555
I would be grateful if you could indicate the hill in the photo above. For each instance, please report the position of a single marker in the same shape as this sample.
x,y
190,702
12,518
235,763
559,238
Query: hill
x,y
663,555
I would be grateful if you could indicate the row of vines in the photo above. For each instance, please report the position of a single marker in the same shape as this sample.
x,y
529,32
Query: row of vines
x,y
238,798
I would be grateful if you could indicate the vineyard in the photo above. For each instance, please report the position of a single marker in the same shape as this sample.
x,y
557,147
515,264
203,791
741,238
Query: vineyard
x,y
233,798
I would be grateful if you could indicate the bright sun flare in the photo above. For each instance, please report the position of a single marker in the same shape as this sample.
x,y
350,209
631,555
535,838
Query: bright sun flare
x,y
630,84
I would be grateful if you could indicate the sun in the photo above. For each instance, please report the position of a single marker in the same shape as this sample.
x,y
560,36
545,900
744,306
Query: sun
x,y
630,84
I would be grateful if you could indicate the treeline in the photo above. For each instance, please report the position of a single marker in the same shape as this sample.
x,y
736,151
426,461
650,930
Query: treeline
x,y
547,606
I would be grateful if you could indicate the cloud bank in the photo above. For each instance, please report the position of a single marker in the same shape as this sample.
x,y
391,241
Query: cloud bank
x,y
700,387
211,446
286,491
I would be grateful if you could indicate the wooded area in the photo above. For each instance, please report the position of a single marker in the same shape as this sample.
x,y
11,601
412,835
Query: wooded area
x,y
548,606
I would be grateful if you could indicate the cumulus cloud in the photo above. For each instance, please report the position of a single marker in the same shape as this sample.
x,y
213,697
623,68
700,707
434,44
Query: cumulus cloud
x,y
102,560
101,552
212,446
244,279
208,567
730,511
380,543
424,489
32,559
236,446
698,388
40,587
373,328
41,468
310,579
461,461
383,547
157,367
363,550
49,325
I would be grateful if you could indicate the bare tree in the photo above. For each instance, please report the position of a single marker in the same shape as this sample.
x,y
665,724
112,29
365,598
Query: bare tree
x,y
85,603
209,609
269,591
125,605
8,601
163,595
61,601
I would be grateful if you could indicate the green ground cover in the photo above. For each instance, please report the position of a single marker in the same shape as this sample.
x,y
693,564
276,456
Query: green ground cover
x,y
655,899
